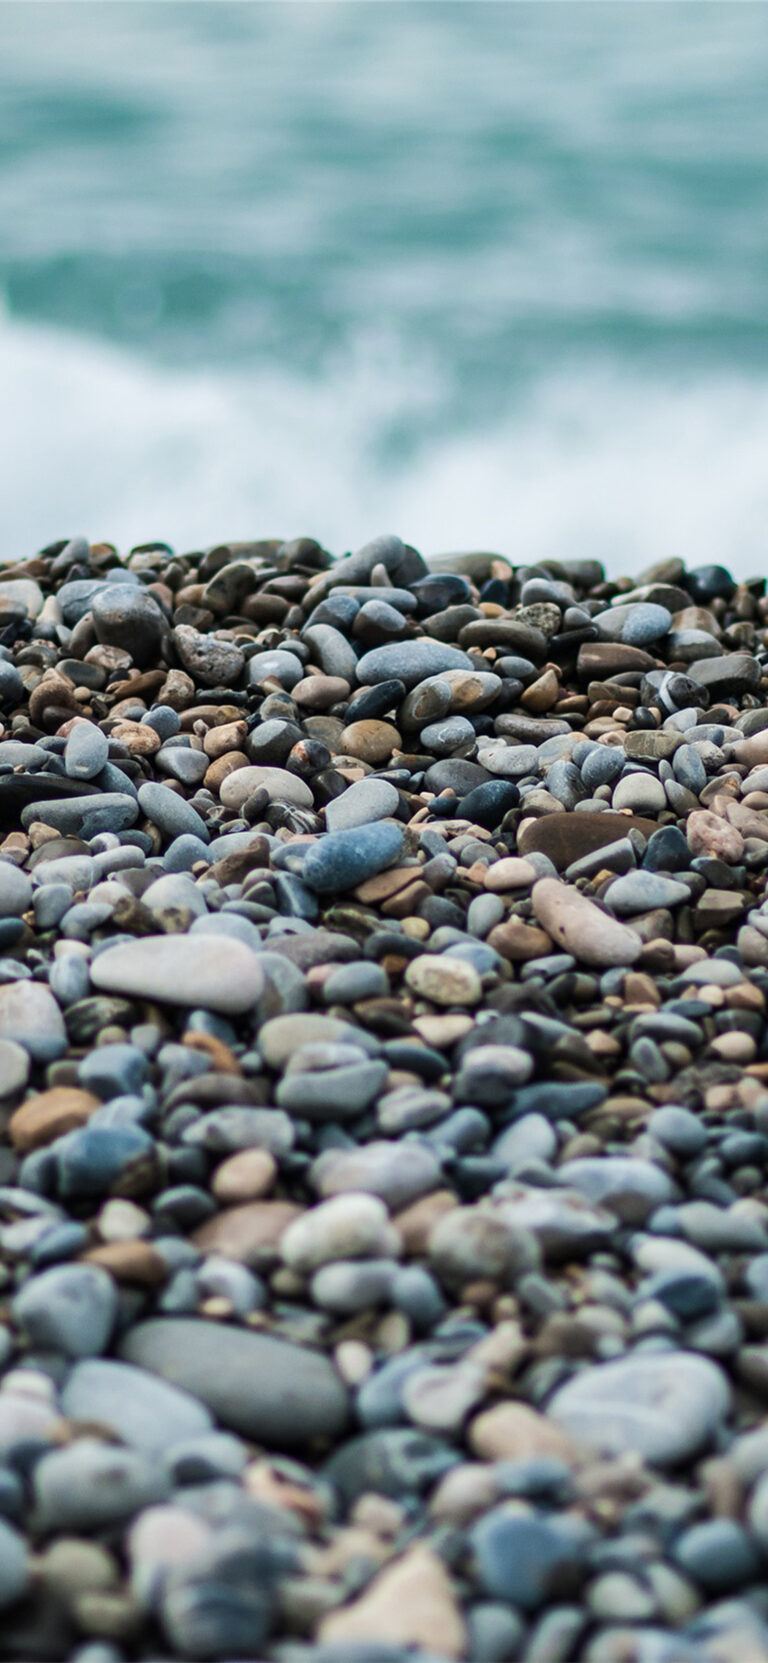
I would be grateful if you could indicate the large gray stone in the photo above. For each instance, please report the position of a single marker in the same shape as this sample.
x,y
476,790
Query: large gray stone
x,y
217,972
276,1393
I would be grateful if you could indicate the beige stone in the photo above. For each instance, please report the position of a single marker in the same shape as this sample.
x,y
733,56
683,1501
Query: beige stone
x,y
137,737
576,925
410,1603
442,1030
276,781
416,1223
517,941
444,980
514,873
515,1432
385,884
319,692
247,1175
464,1492
49,1115
250,1233
753,750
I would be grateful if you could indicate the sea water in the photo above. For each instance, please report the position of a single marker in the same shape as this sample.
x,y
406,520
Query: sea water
x,y
490,275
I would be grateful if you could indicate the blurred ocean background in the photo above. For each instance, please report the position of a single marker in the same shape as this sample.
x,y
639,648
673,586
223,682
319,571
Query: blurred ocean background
x,y
490,275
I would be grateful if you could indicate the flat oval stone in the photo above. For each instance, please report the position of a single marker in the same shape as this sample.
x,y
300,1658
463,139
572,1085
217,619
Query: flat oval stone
x,y
86,751
86,814
444,980
280,1037
267,1389
343,859
410,662
641,891
579,927
217,972
143,1411
565,838
278,782
663,1406
14,1560
637,624
172,813
366,801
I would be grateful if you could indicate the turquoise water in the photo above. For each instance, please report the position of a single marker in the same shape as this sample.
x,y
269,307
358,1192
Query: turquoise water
x,y
487,274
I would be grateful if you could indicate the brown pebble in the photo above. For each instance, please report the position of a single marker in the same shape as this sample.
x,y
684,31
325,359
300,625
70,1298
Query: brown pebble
x,y
137,737
318,692
416,1223
384,884
372,741
231,736
49,1115
135,1261
249,1233
220,770
518,941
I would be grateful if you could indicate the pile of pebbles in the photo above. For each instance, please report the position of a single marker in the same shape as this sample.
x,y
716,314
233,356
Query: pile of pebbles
x,y
384,1088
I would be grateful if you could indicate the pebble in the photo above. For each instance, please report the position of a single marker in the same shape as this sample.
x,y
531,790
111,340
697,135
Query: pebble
x,y
444,980
220,974
409,662
167,810
344,859
366,801
86,751
279,785
15,1571
577,925
525,1558
69,1309
348,1226
410,1605
269,1390
15,891
141,1410
14,1068
95,1486
30,1017
125,616
663,1407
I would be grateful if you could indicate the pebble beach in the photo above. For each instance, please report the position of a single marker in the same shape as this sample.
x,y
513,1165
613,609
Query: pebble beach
x,y
384,1091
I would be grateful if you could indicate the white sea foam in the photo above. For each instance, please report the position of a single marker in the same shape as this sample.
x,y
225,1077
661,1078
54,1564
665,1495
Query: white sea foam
x,y
584,462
